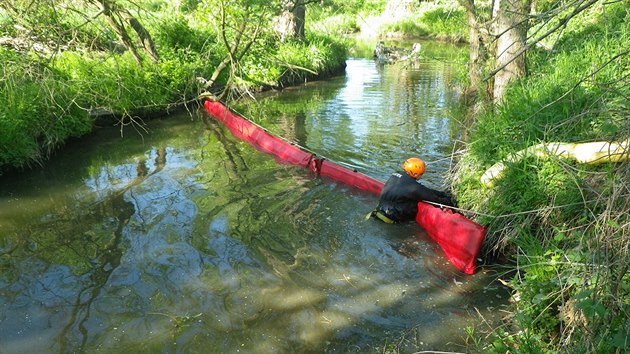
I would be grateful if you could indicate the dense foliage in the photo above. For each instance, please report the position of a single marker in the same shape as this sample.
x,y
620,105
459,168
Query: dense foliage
x,y
563,224
65,67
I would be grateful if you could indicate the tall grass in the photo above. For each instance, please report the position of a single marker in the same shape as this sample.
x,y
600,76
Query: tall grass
x,y
50,99
37,113
562,226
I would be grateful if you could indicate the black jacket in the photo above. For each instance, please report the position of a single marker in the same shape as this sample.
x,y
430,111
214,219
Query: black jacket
x,y
401,194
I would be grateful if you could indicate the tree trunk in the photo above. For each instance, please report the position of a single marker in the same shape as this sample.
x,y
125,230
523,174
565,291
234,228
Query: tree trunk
x,y
290,23
143,34
115,17
511,26
477,55
110,14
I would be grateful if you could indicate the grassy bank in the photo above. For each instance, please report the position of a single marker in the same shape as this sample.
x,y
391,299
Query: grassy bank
x,y
427,20
61,74
55,92
562,226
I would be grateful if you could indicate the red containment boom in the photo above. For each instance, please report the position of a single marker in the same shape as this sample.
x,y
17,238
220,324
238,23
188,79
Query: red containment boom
x,y
285,152
257,136
459,237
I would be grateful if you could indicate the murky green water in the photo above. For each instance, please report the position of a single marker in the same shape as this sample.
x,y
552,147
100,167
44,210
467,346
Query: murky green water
x,y
187,240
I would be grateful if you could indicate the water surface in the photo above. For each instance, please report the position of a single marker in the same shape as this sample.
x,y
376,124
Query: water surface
x,y
183,239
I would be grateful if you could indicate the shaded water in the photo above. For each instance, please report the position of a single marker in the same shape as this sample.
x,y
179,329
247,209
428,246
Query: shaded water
x,y
187,240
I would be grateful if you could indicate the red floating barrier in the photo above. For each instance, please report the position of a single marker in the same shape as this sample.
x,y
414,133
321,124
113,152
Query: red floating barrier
x,y
459,237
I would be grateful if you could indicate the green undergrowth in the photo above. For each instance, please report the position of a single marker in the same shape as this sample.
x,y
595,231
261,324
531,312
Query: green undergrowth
x,y
436,20
439,22
37,113
53,97
342,17
562,226
296,61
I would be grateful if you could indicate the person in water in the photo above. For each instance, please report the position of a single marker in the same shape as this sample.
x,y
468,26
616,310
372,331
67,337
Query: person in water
x,y
402,192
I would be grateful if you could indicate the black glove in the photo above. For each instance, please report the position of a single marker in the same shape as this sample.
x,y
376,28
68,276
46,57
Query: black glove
x,y
447,199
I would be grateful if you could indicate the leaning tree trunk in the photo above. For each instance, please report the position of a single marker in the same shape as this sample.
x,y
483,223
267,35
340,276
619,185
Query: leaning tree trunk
x,y
119,28
115,16
511,26
143,34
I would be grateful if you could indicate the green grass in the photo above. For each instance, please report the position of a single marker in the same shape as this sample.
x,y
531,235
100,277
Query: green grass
x,y
49,99
562,226
443,22
38,114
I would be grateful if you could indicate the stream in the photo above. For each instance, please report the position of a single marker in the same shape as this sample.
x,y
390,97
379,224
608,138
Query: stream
x,y
175,237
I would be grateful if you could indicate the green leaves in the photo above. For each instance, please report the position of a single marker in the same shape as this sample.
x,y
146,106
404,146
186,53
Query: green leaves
x,y
621,339
591,308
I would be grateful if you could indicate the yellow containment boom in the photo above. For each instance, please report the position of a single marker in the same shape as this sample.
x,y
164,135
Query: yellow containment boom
x,y
589,153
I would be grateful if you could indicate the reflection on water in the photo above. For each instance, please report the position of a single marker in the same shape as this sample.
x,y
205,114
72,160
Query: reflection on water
x,y
187,240
373,118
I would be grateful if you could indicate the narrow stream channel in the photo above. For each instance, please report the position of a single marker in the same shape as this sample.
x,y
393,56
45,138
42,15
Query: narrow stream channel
x,y
184,239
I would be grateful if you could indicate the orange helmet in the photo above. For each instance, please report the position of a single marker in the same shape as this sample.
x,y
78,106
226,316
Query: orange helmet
x,y
414,167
